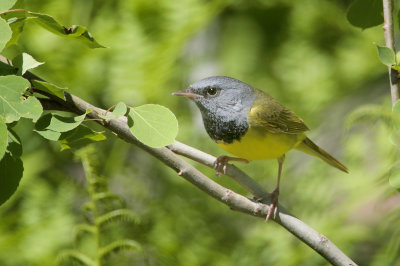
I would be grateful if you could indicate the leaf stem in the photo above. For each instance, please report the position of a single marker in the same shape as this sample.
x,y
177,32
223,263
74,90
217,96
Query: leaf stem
x,y
14,10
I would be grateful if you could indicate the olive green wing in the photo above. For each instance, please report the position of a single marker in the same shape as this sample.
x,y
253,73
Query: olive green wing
x,y
267,113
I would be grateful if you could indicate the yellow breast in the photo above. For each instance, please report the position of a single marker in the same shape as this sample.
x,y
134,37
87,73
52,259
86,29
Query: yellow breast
x,y
256,145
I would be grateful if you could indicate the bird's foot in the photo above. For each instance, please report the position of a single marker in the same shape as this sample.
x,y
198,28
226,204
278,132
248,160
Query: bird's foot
x,y
273,208
221,163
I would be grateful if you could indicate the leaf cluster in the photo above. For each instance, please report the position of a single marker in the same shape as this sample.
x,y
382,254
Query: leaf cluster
x,y
154,125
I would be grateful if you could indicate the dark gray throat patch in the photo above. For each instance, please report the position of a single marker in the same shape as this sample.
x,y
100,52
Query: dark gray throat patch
x,y
227,131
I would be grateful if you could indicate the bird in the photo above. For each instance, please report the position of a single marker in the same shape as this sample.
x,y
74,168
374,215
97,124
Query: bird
x,y
252,125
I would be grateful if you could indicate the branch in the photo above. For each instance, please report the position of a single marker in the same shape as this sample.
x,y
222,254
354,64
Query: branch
x,y
235,201
389,39
169,156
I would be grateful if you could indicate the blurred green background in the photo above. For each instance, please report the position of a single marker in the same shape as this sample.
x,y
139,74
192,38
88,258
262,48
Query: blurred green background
x,y
304,53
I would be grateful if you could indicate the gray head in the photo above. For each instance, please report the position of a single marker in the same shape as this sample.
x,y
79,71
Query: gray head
x,y
219,94
224,104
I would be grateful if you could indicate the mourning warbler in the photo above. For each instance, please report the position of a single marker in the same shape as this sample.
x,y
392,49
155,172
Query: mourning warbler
x,y
252,125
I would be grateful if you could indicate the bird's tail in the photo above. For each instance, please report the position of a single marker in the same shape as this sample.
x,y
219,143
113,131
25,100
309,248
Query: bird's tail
x,y
311,148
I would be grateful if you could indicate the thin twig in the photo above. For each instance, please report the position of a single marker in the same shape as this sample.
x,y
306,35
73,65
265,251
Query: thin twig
x,y
389,39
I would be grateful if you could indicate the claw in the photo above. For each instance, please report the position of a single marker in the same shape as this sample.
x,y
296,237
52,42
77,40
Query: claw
x,y
221,163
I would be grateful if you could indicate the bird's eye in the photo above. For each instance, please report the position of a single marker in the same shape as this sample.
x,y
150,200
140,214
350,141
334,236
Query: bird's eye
x,y
211,91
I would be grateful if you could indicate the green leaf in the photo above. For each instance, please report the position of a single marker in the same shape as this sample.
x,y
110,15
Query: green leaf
x,y
365,13
13,105
119,110
5,34
126,244
86,37
79,137
17,26
48,22
395,67
49,134
6,4
50,88
12,51
14,144
24,62
58,123
153,124
32,108
76,32
386,55
3,137
11,170
6,70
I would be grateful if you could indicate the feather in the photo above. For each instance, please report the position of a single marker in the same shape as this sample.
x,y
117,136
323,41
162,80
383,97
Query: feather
x,y
268,114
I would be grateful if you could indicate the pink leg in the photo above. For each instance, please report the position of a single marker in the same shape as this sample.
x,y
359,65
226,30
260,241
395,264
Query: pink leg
x,y
275,194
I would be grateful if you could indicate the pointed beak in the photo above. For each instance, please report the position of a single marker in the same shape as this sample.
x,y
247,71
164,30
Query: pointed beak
x,y
188,93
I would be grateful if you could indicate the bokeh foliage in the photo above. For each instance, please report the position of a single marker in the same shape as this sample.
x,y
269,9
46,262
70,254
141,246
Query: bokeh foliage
x,y
304,53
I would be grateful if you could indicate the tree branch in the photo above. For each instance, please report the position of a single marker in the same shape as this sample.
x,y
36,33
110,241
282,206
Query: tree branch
x,y
169,156
389,39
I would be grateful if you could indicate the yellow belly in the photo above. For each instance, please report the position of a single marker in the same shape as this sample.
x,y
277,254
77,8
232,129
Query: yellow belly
x,y
256,145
